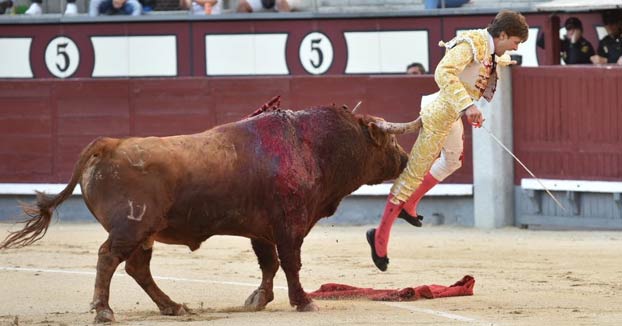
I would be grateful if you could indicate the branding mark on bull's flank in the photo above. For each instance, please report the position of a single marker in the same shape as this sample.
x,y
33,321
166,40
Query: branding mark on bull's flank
x,y
139,217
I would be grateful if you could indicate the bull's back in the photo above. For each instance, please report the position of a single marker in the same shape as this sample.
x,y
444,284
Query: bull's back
x,y
243,176
217,182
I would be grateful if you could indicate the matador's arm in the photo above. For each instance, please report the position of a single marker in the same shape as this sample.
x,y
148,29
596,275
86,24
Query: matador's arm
x,y
446,76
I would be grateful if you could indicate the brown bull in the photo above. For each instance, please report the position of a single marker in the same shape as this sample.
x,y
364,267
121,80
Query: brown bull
x,y
269,177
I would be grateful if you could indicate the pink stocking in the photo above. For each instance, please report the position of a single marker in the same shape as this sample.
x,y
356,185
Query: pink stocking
x,y
427,183
384,229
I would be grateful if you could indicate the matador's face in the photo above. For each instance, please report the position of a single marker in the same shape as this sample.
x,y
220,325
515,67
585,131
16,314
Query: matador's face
x,y
505,43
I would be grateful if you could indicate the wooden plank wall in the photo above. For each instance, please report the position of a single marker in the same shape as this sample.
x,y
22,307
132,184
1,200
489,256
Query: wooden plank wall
x,y
45,123
566,119
567,122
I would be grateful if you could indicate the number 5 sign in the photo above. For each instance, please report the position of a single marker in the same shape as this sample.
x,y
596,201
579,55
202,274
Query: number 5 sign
x,y
62,57
316,53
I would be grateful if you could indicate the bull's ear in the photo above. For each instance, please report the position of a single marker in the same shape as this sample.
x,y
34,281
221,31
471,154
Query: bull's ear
x,y
376,134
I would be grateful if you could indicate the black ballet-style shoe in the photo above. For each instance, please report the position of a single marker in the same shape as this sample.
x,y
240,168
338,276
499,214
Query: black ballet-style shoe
x,y
380,262
414,220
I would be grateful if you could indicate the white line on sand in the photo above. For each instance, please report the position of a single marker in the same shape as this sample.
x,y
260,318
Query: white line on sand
x,y
167,278
436,313
181,279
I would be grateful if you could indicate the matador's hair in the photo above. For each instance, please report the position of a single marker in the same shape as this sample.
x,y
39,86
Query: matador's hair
x,y
510,22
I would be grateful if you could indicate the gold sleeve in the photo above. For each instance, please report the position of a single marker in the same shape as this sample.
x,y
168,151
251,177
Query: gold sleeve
x,y
446,76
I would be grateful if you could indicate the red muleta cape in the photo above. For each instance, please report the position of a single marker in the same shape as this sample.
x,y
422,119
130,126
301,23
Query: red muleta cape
x,y
334,291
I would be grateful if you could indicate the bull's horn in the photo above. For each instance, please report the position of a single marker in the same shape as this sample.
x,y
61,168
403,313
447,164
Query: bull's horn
x,y
400,128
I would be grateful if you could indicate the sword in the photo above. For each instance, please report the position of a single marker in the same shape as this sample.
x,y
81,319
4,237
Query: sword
x,y
524,167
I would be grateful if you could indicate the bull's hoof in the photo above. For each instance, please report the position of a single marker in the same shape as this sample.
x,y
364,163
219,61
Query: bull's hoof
x,y
175,310
258,300
309,307
104,316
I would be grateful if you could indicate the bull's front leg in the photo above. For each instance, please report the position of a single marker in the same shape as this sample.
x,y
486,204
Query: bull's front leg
x,y
289,254
269,264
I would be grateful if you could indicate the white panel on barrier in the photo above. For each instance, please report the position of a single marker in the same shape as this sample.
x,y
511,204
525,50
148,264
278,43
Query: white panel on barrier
x,y
111,56
245,54
135,56
385,52
270,54
528,49
399,49
15,57
363,52
153,56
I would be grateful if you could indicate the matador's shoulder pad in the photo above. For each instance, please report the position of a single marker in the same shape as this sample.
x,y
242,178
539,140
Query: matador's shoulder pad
x,y
477,40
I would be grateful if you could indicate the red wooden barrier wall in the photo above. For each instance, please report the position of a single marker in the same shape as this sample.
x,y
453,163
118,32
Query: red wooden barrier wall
x,y
45,123
566,119
567,122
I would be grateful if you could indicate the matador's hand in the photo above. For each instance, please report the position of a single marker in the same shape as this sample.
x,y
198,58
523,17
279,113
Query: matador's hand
x,y
474,116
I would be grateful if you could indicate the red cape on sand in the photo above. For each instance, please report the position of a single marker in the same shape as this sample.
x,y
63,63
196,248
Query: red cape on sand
x,y
334,291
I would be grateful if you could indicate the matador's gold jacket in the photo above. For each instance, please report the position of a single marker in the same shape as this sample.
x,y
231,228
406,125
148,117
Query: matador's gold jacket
x,y
467,71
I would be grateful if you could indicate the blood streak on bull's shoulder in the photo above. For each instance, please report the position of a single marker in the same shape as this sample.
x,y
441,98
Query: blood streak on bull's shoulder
x,y
294,166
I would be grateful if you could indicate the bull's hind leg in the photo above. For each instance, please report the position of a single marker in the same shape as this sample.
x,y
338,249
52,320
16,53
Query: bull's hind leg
x,y
289,253
137,266
269,264
106,265
118,248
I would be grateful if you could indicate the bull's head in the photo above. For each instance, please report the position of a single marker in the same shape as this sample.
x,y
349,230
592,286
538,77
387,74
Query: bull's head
x,y
389,156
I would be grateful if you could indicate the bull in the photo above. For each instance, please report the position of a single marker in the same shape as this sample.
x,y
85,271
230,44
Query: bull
x,y
269,177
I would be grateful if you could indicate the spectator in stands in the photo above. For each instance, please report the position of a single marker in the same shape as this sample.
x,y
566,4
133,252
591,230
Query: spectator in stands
x,y
415,68
269,5
466,74
35,8
4,6
574,48
610,47
202,7
115,7
434,4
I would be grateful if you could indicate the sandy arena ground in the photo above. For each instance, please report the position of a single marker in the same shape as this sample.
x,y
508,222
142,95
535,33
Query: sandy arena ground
x,y
522,277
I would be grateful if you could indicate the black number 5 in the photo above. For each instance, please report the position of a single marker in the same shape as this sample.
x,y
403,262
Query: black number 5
x,y
60,50
315,46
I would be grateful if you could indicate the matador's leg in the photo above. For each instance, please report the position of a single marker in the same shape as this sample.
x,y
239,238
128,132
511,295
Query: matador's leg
x,y
443,167
438,118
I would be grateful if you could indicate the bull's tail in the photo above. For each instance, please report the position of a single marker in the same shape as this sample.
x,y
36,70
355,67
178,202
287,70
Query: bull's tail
x,y
39,214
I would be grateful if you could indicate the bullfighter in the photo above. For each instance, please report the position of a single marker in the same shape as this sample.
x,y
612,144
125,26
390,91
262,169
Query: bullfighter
x,y
466,73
